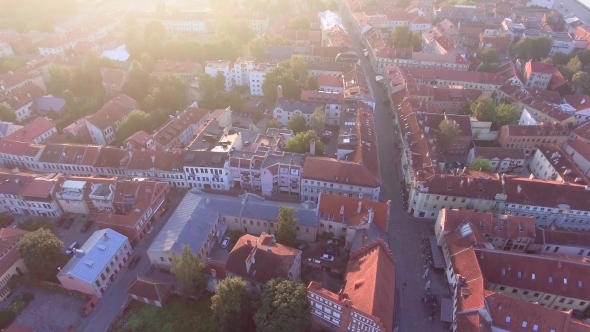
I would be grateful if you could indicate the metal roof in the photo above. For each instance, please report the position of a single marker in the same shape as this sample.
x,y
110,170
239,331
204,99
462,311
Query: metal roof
x,y
198,213
93,257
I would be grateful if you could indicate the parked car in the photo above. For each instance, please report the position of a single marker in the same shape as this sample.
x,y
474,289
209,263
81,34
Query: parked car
x,y
333,251
311,260
332,241
302,246
86,226
134,262
225,242
327,258
71,248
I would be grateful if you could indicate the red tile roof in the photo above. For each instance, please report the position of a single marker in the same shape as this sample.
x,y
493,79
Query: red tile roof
x,y
9,237
39,188
545,95
22,96
328,80
150,289
581,147
547,274
579,102
471,322
113,111
13,147
370,282
333,205
568,237
271,260
512,314
583,131
511,227
31,131
411,73
540,67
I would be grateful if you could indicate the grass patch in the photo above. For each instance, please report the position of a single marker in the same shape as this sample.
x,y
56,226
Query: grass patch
x,y
32,225
8,315
176,316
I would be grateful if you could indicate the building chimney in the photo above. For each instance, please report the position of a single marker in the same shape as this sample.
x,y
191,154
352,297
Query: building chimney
x,y
106,237
371,215
279,91
519,188
311,147
213,273
342,209
359,208
153,159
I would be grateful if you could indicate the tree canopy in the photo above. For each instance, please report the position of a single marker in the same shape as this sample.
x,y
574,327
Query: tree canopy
x,y
59,80
284,308
41,250
286,226
273,123
188,270
484,109
311,83
449,130
257,47
232,305
318,119
581,80
488,55
7,114
535,48
481,164
9,63
506,114
403,37
136,121
297,123
283,77
300,143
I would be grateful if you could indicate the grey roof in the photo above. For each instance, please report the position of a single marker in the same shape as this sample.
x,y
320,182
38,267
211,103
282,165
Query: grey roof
x,y
287,158
7,128
198,213
292,105
279,52
92,258
49,103
367,235
205,159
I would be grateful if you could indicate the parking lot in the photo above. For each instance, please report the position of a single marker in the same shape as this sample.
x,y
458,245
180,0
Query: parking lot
x,y
317,269
74,232
50,311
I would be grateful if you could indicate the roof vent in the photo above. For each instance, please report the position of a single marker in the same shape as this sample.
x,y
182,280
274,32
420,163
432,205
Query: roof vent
x,y
89,263
101,247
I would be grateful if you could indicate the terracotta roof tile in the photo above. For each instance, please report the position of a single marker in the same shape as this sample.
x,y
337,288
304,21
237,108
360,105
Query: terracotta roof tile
x,y
511,227
269,264
472,322
31,131
370,282
39,188
328,80
578,102
150,289
568,237
335,204
113,111
23,96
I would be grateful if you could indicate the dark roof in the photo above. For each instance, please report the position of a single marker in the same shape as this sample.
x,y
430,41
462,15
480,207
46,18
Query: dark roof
x,y
205,159
149,288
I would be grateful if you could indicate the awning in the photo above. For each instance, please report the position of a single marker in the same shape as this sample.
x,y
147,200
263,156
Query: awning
x,y
446,310
437,254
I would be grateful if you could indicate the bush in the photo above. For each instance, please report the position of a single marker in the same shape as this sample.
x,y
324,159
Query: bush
x,y
32,225
8,315
5,220
6,318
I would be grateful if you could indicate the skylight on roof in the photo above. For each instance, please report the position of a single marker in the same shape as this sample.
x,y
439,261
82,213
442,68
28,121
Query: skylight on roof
x,y
507,319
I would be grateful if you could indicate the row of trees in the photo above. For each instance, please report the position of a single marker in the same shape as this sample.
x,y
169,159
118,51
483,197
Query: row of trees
x,y
7,114
214,95
490,59
574,67
533,48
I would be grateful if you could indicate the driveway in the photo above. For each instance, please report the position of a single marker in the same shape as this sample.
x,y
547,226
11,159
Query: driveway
x,y
115,296
50,311
74,233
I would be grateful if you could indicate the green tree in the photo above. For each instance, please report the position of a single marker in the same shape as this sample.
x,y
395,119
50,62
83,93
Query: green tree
x,y
136,121
41,250
272,123
466,108
298,66
300,143
541,47
488,55
9,63
169,92
297,123
257,47
7,114
138,84
232,305
286,226
417,41
147,62
489,67
318,119
507,114
560,58
402,3
153,28
449,130
481,164
584,56
188,270
573,66
284,307
484,109
581,79
401,37
59,80
311,83
299,22
283,77
73,108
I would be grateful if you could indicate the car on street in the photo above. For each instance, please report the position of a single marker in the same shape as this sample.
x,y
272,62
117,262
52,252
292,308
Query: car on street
x,y
312,260
327,258
134,262
302,246
71,248
225,242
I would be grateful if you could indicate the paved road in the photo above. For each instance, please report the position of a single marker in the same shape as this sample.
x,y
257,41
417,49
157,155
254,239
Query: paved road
x,y
405,232
115,296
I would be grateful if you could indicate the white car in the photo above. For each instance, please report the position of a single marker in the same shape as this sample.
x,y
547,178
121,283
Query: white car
x,y
225,242
327,257
71,248
311,260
